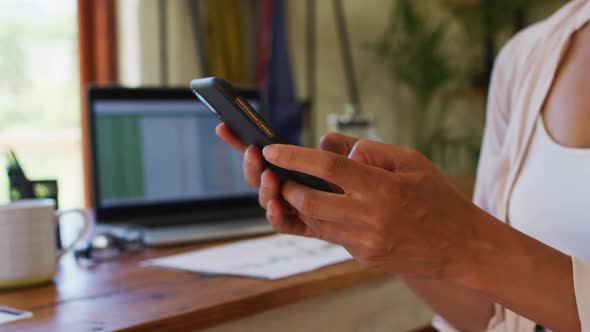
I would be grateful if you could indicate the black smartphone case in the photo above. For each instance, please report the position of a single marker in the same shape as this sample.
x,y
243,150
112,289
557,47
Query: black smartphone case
x,y
221,99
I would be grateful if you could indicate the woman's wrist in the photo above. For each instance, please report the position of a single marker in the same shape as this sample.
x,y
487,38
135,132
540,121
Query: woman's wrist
x,y
492,250
517,271
472,247
495,251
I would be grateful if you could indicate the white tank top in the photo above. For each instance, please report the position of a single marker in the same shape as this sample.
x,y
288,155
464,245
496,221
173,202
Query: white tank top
x,y
551,197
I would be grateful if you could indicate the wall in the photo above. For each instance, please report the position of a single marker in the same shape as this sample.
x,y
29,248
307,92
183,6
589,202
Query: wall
x,y
139,43
379,95
140,57
366,22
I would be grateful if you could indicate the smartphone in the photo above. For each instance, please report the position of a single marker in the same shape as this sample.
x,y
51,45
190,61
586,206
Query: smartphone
x,y
249,126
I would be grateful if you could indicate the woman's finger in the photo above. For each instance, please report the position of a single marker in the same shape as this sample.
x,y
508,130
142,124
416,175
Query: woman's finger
x,y
339,170
339,233
323,205
270,188
350,236
388,157
283,222
253,166
337,143
229,138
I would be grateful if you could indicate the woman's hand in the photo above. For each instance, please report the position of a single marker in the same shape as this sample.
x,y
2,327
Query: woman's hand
x,y
397,212
394,211
253,160
266,181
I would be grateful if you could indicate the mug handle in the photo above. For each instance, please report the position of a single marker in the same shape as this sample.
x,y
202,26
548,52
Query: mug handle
x,y
58,215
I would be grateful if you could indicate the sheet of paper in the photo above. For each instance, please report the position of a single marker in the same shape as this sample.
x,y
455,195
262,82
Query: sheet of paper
x,y
271,257
10,314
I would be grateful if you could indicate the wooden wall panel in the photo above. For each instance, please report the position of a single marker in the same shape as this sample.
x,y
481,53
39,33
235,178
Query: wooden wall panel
x,y
97,43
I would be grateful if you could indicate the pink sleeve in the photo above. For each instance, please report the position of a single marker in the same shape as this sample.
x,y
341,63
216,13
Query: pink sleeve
x,y
490,163
581,272
497,118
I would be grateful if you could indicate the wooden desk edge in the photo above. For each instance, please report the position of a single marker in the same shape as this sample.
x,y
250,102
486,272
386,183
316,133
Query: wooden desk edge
x,y
247,306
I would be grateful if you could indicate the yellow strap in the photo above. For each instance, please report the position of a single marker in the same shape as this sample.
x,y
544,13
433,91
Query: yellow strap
x,y
225,45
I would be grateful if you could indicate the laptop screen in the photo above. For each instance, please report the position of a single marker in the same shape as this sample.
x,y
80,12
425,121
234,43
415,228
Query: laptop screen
x,y
161,152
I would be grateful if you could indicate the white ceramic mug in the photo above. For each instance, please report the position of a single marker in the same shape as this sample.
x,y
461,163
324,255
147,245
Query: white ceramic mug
x,y
28,250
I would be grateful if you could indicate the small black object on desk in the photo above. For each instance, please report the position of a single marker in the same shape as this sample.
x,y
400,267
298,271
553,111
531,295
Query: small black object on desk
x,y
20,187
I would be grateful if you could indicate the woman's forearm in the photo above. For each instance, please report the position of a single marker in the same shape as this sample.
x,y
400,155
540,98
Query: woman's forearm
x,y
400,214
463,308
520,273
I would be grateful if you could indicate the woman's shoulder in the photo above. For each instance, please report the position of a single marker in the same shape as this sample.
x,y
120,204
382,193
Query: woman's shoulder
x,y
520,50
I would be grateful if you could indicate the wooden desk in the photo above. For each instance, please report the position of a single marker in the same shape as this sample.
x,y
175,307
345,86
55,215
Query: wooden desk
x,y
121,295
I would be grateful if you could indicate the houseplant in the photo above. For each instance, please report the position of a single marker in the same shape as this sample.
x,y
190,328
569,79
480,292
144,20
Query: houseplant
x,y
415,48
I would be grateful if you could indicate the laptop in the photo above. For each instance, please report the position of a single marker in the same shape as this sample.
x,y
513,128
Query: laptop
x,y
157,164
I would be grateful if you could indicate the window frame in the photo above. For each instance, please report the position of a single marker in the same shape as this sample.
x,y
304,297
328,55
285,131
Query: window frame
x,y
97,44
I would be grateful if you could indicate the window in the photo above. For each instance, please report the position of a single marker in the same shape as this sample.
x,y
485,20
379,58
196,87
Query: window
x,y
39,93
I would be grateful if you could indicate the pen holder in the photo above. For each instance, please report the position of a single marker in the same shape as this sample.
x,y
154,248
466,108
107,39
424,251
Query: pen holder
x,y
40,189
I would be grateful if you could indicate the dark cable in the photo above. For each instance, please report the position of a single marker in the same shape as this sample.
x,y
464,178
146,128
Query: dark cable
x,y
519,19
346,56
311,58
311,50
163,22
489,45
198,35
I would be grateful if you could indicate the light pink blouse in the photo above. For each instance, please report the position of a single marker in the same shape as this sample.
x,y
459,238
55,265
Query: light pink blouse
x,y
521,80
